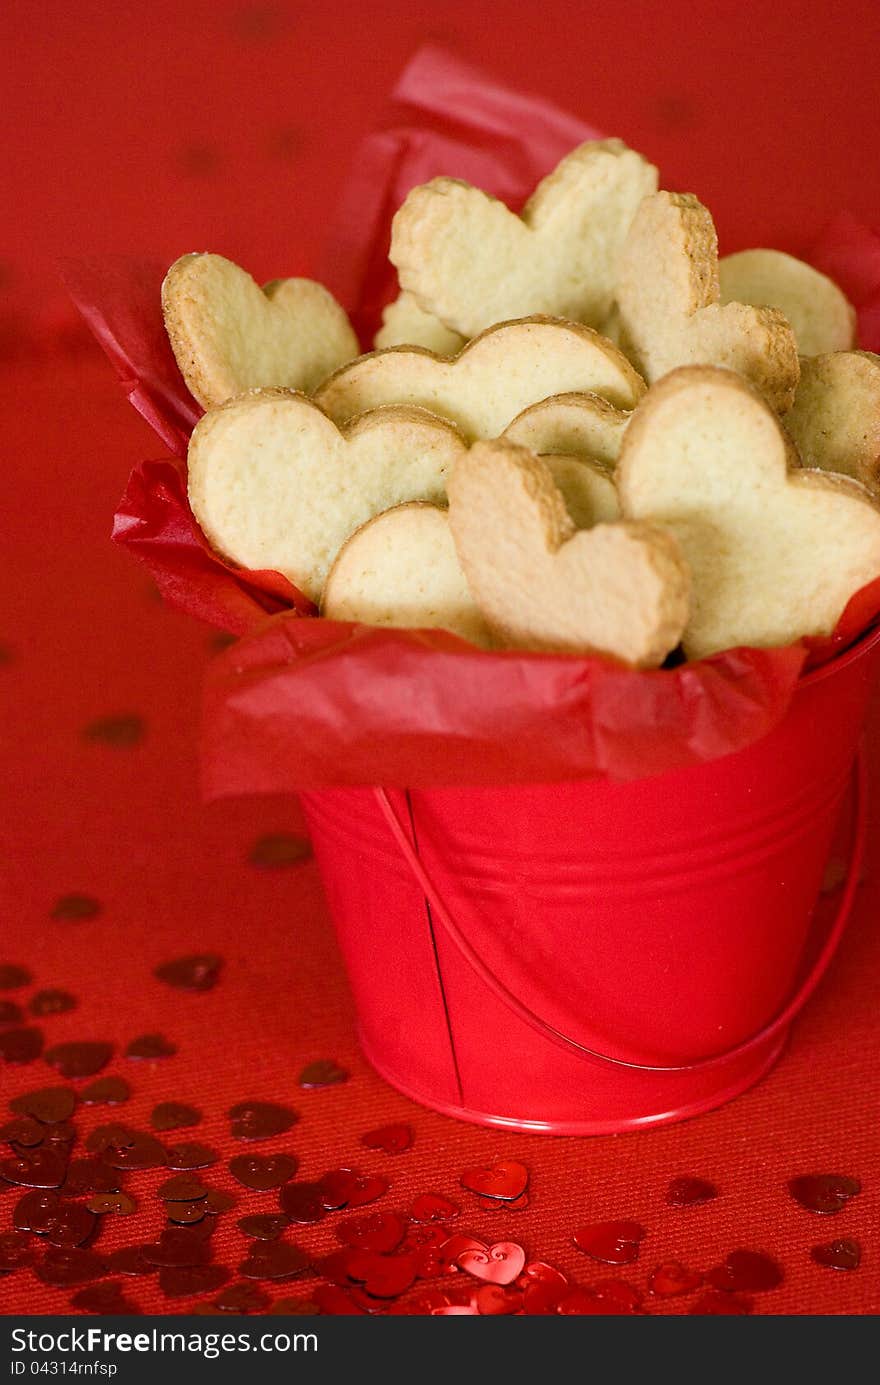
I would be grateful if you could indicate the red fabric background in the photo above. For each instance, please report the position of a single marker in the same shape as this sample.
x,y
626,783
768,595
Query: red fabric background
x,y
128,129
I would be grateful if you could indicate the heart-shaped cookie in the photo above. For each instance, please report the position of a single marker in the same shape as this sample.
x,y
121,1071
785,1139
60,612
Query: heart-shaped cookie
x,y
775,552
835,418
274,484
401,569
619,589
821,317
229,335
669,301
404,323
470,261
571,425
491,380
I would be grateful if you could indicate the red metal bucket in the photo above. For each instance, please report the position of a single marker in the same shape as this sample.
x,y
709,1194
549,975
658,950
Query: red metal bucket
x,y
589,957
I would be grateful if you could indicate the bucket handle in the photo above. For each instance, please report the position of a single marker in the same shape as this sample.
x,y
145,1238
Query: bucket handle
x,y
775,1026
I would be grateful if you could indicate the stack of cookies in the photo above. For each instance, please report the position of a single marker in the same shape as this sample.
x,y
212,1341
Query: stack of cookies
x,y
580,431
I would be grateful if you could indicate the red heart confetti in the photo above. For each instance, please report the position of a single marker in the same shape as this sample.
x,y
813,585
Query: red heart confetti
x,y
90,1175
10,1013
106,1091
501,1263
263,1173
581,1303
79,1059
199,972
335,1302
263,1226
16,1251
13,977
612,1242
844,1254
74,908
543,1288
147,1047
324,1072
122,731
48,1104
383,1276
119,1204
174,1115
103,1298
379,1232
276,850
36,1168
275,1260
66,1266
129,1260
722,1305
431,1207
242,1298
507,1181
185,1280
690,1192
51,1003
190,1155
260,1120
495,1204
672,1278
23,1130
618,1296
21,1045
824,1192
302,1202
183,1187
750,1271
35,1211
391,1139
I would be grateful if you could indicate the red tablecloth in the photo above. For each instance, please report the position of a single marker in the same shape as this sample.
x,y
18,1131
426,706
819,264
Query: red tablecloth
x,y
226,127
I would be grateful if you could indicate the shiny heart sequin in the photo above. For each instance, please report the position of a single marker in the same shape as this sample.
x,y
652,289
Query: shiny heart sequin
x,y
844,1254
612,1242
433,1207
147,1047
690,1192
507,1181
379,1232
302,1202
824,1192
81,1059
324,1072
185,1280
260,1120
174,1115
672,1278
391,1139
722,1305
21,1045
190,1155
198,972
383,1276
49,1105
493,1300
501,1263
36,1168
262,1173
274,1260
749,1271
263,1226
106,1091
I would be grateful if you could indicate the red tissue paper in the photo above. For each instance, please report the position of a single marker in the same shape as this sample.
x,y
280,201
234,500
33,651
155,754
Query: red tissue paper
x,y
303,703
